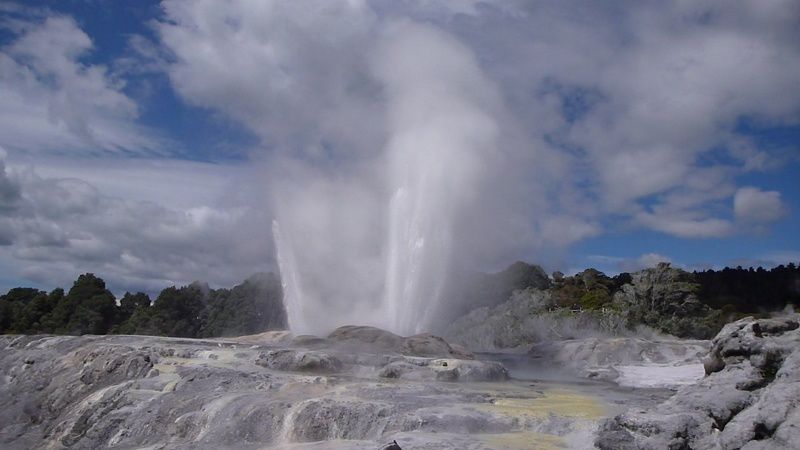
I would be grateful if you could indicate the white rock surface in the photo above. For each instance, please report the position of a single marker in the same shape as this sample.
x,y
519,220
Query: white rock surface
x,y
659,375
168,393
750,398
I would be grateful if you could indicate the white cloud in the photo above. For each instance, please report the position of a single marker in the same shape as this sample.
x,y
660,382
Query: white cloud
x,y
613,265
753,206
173,183
53,228
638,95
294,72
51,101
687,226
604,114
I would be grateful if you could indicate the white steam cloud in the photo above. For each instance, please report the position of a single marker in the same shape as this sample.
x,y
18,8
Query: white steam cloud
x,y
404,138
377,248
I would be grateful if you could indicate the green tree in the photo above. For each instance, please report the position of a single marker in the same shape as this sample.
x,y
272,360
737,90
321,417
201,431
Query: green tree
x,y
88,308
140,322
47,323
13,306
251,307
595,298
180,311
130,303
34,312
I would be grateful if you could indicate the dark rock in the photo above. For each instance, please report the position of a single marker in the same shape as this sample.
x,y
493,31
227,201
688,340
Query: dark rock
x,y
391,446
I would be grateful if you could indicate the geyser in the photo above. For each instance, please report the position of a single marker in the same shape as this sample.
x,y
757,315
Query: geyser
x,y
440,131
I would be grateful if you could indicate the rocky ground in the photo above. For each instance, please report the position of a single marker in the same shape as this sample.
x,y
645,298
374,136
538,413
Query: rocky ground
x,y
358,388
750,398
361,387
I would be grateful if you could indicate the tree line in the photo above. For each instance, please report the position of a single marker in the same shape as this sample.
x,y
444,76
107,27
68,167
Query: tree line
x,y
256,305
750,290
189,311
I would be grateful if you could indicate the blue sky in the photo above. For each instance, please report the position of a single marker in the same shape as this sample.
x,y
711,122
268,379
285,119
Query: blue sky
x,y
154,142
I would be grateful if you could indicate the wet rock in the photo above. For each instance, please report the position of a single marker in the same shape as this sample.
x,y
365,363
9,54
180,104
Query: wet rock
x,y
444,370
432,346
749,399
425,345
321,419
299,361
280,337
308,341
367,336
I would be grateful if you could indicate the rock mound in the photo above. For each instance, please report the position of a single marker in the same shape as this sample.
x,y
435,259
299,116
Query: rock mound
x,y
750,398
371,339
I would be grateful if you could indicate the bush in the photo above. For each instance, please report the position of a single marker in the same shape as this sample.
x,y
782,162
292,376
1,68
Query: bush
x,y
595,299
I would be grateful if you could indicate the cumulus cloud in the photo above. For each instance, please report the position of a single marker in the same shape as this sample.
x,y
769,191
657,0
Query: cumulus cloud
x,y
603,116
58,227
294,72
755,206
604,110
52,101
686,225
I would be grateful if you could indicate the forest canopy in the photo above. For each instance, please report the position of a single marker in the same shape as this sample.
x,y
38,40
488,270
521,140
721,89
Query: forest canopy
x,y
189,311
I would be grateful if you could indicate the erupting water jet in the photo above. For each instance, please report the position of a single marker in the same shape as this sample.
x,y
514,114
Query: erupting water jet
x,y
439,116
